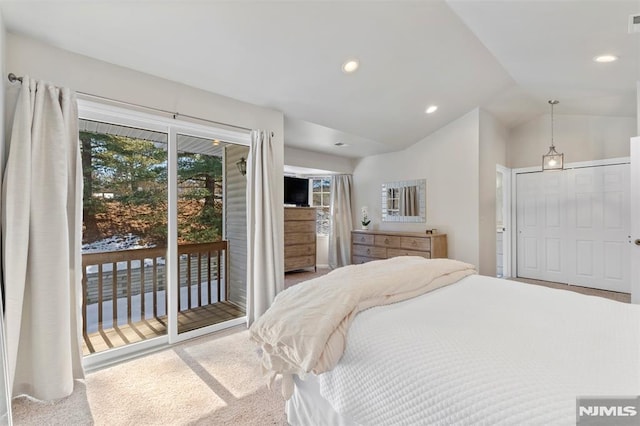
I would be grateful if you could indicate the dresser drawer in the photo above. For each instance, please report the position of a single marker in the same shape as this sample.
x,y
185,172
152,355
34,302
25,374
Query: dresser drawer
x,y
374,245
403,252
299,226
300,250
299,238
357,260
387,241
364,239
299,214
293,263
415,243
369,251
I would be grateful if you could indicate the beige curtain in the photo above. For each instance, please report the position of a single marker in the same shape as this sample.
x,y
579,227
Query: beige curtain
x,y
409,201
42,237
341,221
265,267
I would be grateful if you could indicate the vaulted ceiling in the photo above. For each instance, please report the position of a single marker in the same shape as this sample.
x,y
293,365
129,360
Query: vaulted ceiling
x,y
509,57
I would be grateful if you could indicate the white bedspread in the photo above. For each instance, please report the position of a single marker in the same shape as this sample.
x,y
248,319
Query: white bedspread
x,y
485,351
305,328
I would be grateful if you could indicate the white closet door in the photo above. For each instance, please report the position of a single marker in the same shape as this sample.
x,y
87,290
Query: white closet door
x,y
634,236
598,221
573,226
541,199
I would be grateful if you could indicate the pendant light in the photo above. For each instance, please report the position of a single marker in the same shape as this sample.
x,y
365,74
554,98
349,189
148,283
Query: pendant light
x,y
552,160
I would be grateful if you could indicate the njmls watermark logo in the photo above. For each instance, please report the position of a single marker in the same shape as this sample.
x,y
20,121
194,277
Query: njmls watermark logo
x,y
608,411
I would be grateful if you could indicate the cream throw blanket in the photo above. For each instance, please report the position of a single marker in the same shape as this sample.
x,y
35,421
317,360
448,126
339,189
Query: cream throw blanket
x,y
305,329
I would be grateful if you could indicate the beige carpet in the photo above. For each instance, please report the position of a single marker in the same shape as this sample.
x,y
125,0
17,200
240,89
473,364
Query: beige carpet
x,y
620,297
296,277
213,380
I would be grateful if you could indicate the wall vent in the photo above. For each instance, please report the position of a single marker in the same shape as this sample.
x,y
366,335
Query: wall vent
x,y
634,24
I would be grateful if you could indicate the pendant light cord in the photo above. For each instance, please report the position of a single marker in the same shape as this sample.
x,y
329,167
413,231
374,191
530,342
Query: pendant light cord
x,y
552,103
552,144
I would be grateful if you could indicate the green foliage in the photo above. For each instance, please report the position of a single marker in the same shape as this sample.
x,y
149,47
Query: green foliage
x,y
143,197
133,172
158,232
198,167
200,179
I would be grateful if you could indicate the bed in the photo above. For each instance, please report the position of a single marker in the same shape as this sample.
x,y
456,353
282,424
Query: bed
x,y
478,351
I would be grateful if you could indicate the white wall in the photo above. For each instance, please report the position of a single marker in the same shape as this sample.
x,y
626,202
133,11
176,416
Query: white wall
x,y
449,160
315,160
88,75
84,74
493,151
579,137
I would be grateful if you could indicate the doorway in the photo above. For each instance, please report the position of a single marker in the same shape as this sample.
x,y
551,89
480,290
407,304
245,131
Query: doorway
x,y
503,221
160,257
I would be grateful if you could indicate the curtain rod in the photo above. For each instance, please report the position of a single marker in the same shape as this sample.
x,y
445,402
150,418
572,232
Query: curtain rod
x,y
13,78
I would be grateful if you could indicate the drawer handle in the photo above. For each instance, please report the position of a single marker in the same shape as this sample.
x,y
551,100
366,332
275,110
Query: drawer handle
x,y
386,241
368,251
362,239
414,243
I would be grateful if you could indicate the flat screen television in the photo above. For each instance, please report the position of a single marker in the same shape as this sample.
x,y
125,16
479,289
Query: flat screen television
x,y
296,191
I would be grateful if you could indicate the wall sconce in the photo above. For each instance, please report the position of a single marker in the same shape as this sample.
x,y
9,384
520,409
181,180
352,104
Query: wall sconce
x,y
242,166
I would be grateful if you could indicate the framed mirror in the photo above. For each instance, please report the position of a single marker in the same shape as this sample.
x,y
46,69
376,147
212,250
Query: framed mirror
x,y
404,201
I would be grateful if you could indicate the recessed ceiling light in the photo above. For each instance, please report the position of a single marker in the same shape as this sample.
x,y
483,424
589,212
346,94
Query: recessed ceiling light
x,y
605,58
431,109
350,66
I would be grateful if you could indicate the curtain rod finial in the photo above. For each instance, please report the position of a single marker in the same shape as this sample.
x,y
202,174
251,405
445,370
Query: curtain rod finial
x,y
13,78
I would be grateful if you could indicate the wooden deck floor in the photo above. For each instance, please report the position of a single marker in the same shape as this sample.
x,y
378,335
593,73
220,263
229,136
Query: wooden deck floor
x,y
139,331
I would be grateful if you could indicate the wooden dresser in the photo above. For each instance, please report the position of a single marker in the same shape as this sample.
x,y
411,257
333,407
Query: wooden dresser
x,y
299,238
373,245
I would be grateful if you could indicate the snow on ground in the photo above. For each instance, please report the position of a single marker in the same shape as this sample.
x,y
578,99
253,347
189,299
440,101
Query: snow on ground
x,y
115,243
118,243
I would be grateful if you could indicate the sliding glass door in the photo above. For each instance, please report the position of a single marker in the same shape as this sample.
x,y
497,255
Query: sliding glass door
x,y
204,276
164,251
125,213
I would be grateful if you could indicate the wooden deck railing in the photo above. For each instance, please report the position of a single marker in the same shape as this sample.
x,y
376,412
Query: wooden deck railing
x,y
113,281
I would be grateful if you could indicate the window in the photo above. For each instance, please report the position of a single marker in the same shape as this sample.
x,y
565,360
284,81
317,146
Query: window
x,y
321,198
393,202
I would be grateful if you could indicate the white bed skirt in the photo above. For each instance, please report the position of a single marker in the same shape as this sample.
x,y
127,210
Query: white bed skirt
x,y
307,407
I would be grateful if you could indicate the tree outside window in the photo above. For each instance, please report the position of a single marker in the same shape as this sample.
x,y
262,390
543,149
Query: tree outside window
x,y
321,198
125,193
